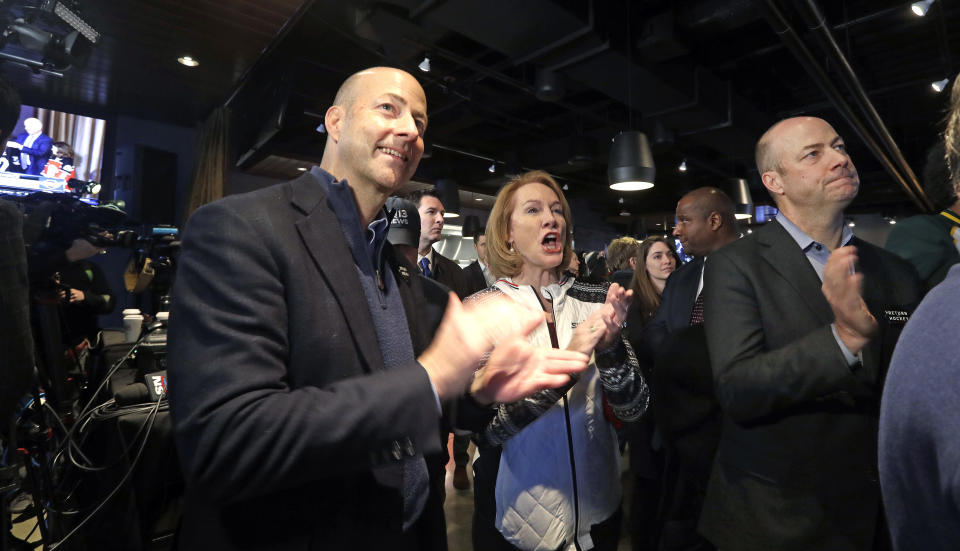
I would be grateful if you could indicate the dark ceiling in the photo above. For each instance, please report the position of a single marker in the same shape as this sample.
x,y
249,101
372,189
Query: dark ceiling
x,y
703,79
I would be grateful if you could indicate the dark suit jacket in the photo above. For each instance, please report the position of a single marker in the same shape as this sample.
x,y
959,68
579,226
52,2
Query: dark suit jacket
x,y
797,463
39,152
676,305
450,273
685,409
473,274
285,417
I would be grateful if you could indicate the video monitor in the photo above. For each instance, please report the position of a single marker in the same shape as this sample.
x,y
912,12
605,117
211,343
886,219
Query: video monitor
x,y
53,151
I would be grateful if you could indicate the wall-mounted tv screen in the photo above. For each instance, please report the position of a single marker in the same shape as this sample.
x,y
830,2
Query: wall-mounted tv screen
x,y
51,150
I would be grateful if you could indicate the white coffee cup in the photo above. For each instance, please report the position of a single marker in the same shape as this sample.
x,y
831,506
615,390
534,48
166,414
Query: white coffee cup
x,y
132,324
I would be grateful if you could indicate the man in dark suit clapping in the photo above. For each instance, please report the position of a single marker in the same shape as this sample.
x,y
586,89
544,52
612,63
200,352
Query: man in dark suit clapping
x,y
305,390
801,318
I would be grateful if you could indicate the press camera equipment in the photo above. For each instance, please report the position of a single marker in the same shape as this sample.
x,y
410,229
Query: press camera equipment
x,y
59,218
54,29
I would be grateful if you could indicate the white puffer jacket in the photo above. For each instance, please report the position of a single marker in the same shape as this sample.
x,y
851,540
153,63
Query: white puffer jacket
x,y
535,482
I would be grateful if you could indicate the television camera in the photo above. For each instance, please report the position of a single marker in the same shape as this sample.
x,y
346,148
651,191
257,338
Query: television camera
x,y
53,28
81,475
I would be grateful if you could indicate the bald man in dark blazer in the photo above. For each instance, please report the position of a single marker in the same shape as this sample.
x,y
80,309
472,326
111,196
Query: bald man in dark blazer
x,y
801,318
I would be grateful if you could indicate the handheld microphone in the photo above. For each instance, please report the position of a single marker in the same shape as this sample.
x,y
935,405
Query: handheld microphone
x,y
156,384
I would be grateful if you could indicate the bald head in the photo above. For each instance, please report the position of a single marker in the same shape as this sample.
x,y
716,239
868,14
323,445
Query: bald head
x,y
705,221
32,125
347,93
769,148
375,130
706,200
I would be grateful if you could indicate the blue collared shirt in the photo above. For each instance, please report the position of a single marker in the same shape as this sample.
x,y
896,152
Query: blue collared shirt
x,y
818,253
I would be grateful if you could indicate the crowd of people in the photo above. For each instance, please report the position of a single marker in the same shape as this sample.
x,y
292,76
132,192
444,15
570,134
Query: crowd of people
x,y
790,389
747,382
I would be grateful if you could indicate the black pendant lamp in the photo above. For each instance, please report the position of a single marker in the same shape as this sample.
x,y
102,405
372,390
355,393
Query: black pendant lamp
x,y
450,197
631,165
471,223
742,198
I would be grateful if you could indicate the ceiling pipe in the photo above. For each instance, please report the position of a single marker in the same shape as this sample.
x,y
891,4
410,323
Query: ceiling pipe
x,y
898,10
575,35
582,56
505,79
695,102
721,125
817,22
423,8
782,28
267,53
539,52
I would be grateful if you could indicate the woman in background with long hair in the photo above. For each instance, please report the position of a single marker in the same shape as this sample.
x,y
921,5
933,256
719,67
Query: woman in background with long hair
x,y
656,261
654,264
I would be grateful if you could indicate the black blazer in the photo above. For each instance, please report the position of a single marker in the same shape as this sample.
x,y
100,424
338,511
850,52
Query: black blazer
x,y
473,274
676,305
685,409
797,463
450,273
284,415
681,380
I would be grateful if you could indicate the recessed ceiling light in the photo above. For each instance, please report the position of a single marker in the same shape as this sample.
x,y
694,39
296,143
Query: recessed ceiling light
x,y
302,168
188,61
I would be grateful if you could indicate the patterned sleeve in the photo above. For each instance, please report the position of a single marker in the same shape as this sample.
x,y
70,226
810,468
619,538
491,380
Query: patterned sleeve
x,y
623,385
513,417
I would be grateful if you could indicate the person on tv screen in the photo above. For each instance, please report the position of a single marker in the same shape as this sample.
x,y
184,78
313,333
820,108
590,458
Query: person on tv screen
x,y
60,165
34,146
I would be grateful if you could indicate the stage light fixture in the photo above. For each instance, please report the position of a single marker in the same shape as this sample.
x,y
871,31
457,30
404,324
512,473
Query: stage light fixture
x,y
75,21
